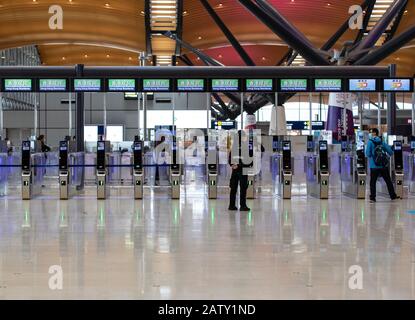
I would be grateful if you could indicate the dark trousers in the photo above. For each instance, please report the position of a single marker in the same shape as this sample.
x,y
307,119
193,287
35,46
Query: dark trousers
x,y
238,177
384,173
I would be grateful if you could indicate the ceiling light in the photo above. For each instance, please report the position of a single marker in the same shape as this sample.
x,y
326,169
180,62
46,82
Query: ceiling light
x,y
63,58
108,55
107,5
199,38
219,56
86,56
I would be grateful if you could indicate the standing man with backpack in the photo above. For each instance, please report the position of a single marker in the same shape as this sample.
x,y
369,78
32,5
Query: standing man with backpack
x,y
378,153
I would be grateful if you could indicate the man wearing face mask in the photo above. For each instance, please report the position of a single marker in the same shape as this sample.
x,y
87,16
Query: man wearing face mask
x,y
378,153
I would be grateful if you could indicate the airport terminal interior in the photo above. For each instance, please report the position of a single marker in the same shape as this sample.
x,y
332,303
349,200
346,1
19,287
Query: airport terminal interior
x,y
124,124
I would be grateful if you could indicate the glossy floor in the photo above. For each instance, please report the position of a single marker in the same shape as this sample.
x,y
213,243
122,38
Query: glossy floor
x,y
194,248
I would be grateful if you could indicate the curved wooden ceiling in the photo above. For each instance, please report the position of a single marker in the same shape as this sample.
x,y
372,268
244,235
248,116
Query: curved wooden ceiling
x,y
119,25
91,28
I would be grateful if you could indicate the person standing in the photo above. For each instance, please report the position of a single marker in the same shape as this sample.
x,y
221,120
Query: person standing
x,y
378,153
238,175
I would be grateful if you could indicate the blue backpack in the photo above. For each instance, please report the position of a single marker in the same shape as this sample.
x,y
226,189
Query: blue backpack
x,y
380,156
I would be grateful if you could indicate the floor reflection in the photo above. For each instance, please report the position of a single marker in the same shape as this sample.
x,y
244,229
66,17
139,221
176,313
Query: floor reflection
x,y
195,248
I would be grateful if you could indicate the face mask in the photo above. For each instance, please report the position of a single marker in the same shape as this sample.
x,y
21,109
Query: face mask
x,y
370,136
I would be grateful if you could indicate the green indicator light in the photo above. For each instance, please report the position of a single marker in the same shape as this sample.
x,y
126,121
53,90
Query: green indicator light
x,y
286,215
362,216
250,217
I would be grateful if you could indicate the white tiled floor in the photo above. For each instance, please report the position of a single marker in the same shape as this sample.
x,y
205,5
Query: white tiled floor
x,y
193,248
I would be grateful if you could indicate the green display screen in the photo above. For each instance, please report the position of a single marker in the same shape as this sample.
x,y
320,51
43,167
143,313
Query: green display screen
x,y
18,85
225,85
190,85
294,85
259,85
156,85
121,85
87,85
52,84
328,84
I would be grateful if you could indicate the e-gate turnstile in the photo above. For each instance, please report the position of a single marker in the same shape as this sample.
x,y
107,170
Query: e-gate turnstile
x,y
318,172
26,171
175,173
212,169
101,170
411,166
64,176
138,174
251,191
353,174
396,170
286,173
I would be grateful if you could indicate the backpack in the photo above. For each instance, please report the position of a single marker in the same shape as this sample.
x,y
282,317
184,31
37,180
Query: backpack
x,y
380,156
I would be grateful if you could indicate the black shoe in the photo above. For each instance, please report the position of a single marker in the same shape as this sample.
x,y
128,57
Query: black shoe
x,y
395,198
372,200
232,208
244,209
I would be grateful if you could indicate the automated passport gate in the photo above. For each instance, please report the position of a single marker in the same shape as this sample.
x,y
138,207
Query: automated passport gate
x,y
138,174
212,169
101,170
175,173
286,173
251,192
353,174
26,171
64,176
318,172
396,170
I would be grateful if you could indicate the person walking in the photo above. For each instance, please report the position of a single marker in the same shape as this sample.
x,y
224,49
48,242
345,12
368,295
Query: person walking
x,y
238,175
378,153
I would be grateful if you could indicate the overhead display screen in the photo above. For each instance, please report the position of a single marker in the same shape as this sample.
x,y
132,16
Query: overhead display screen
x,y
122,85
225,85
87,85
400,85
259,85
328,85
293,85
362,85
53,85
191,85
18,85
156,85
